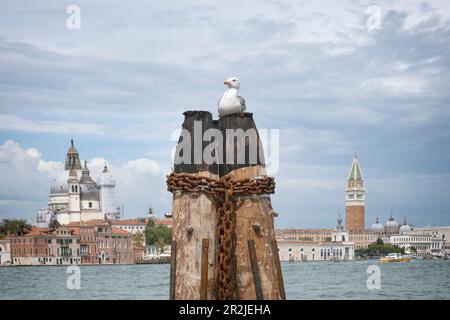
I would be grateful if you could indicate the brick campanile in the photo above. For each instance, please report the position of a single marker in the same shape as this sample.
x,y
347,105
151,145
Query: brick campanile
x,y
355,200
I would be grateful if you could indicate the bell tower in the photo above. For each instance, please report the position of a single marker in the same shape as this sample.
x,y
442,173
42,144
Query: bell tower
x,y
74,197
355,199
72,159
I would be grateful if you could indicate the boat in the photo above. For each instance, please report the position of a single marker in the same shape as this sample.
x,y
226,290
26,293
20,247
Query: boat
x,y
395,257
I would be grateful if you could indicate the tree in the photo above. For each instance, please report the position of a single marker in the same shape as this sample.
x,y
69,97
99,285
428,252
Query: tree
x,y
14,226
137,240
157,234
380,241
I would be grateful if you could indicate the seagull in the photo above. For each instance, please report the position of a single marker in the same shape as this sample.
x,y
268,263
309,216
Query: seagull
x,y
230,102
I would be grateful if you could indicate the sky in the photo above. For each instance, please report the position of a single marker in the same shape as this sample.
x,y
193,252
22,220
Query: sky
x,y
335,77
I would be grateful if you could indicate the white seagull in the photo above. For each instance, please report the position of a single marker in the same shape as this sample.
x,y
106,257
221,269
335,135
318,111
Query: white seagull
x,y
230,102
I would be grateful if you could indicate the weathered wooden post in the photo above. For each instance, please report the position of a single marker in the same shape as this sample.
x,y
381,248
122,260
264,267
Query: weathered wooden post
x,y
193,262
223,243
255,264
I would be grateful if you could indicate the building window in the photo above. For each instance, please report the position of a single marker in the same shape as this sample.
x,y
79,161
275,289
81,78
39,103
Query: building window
x,y
90,204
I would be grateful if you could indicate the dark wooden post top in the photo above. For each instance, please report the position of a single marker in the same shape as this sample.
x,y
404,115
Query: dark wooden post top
x,y
193,121
243,121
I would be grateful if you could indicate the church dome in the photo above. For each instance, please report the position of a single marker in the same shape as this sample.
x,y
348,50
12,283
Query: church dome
x,y
58,188
377,226
405,227
391,225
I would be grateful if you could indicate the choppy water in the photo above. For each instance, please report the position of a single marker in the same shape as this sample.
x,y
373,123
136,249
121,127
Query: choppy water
x,y
419,279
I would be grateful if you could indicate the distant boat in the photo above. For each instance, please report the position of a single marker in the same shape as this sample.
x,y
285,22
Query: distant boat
x,y
395,257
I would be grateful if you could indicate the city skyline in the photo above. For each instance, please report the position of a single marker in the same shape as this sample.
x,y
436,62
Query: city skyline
x,y
314,71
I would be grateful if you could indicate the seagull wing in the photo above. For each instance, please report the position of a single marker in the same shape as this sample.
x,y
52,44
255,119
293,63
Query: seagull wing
x,y
242,102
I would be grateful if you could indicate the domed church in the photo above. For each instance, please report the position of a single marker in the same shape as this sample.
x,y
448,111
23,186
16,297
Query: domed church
x,y
377,227
391,226
405,227
81,198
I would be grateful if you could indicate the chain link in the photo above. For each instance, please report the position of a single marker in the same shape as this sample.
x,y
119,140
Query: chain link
x,y
224,189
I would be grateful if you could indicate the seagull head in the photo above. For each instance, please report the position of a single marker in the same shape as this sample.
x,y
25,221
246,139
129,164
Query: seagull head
x,y
232,82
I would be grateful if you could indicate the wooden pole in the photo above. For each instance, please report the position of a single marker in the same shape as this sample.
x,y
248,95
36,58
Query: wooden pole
x,y
195,217
204,270
254,222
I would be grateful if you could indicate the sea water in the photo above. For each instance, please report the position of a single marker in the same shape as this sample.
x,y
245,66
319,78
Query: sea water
x,y
418,279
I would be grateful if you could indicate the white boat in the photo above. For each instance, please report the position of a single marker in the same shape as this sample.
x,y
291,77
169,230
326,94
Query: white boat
x,y
395,257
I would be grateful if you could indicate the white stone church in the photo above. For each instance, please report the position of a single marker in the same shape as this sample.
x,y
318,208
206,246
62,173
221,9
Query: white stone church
x,y
81,198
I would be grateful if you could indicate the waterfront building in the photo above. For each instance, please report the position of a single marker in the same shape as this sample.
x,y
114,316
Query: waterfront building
x,y
84,242
168,222
437,232
30,248
80,198
318,235
102,243
355,199
423,243
363,239
64,246
133,226
336,246
43,246
291,250
5,251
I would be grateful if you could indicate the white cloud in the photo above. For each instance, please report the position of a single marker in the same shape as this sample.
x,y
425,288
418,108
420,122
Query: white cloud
x,y
15,123
397,85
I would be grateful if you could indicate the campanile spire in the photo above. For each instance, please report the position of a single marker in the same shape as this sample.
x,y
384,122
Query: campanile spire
x,y
355,198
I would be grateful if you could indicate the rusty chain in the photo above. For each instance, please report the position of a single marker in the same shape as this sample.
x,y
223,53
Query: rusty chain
x,y
191,183
224,189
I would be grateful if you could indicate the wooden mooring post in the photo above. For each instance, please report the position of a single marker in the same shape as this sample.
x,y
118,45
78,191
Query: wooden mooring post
x,y
253,270
193,265
257,264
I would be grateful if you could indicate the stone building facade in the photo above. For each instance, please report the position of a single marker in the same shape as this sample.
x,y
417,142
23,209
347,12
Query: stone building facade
x,y
5,251
91,242
321,246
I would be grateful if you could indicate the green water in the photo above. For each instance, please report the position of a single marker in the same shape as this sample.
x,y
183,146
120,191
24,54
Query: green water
x,y
419,279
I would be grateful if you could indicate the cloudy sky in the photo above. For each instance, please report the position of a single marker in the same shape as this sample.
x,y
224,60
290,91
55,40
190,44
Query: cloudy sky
x,y
330,75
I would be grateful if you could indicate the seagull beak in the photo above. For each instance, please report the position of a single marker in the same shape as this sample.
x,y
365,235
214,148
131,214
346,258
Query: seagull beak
x,y
226,82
